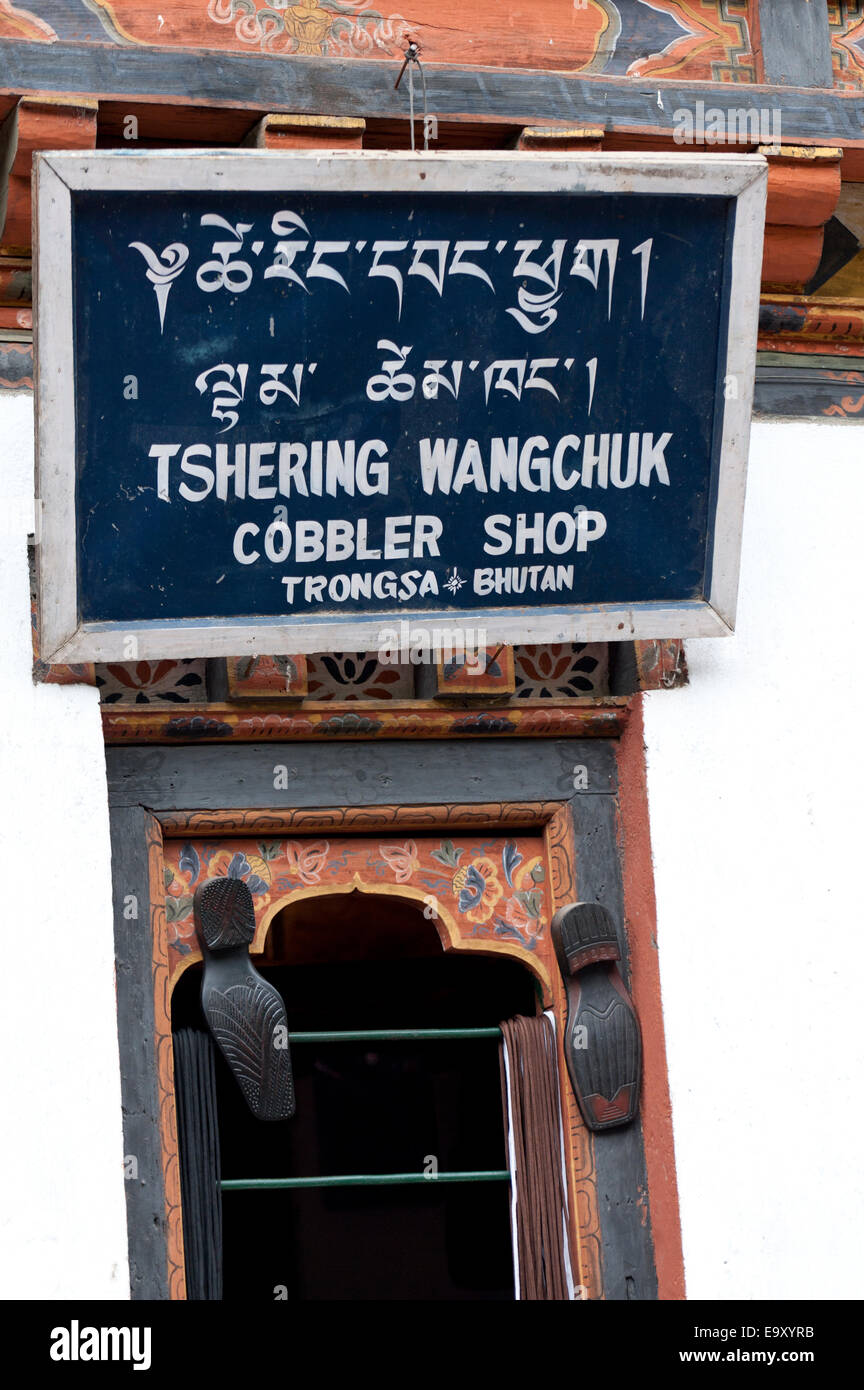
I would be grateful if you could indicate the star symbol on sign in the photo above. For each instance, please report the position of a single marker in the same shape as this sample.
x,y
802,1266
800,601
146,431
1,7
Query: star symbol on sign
x,y
454,583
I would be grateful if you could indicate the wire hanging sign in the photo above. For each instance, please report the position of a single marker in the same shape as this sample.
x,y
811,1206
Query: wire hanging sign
x,y
430,123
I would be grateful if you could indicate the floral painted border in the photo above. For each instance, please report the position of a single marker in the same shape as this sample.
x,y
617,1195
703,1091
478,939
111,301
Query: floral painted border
x,y
490,886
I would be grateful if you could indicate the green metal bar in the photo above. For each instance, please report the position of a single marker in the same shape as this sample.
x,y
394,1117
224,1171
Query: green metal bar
x,y
394,1035
363,1180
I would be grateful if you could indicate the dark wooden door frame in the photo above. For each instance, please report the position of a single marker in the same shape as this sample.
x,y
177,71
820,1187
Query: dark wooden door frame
x,y
147,783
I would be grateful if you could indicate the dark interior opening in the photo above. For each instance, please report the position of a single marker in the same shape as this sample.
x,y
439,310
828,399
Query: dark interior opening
x,y
347,962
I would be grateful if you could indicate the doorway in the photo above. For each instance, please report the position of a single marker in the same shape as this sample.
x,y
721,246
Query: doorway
x,y
421,1107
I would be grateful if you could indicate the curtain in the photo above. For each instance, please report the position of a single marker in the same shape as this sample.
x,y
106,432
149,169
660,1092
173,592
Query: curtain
x,y
538,1207
198,1141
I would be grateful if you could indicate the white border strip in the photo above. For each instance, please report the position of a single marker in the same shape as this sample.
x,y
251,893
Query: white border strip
x,y
55,411
740,369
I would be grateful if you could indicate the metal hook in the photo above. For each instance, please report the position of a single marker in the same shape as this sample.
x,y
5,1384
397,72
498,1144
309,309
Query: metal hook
x,y
412,60
411,53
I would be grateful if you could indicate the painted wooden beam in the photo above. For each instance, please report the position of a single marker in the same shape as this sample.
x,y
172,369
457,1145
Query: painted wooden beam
x,y
16,364
16,281
17,317
793,43
807,324
328,723
410,773
785,392
41,122
345,86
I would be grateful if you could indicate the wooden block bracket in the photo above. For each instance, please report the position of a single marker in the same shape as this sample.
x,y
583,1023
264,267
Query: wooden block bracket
x,y
803,191
561,138
42,122
287,132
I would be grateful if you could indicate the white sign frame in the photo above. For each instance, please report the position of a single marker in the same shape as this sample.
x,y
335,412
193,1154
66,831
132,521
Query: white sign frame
x,y
64,639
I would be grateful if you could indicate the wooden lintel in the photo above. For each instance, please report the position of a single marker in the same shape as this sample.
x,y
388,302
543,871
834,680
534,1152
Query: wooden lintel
x,y
344,86
328,722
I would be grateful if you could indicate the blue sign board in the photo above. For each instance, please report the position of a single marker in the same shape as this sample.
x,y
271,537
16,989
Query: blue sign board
x,y
322,394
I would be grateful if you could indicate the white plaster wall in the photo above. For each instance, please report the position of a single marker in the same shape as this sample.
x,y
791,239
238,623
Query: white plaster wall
x,y
755,790
62,1204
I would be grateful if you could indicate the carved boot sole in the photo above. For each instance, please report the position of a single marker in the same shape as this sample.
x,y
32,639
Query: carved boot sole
x,y
603,1047
602,1041
244,1012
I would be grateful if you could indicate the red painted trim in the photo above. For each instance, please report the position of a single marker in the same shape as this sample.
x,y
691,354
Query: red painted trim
x,y
634,839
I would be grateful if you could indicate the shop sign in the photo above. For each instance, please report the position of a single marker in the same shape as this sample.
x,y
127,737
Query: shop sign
x,y
286,401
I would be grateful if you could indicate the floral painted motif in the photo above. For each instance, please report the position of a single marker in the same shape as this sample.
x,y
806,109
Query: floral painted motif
x,y
479,889
402,859
312,29
214,861
306,861
494,887
357,676
151,682
252,869
562,668
527,901
178,899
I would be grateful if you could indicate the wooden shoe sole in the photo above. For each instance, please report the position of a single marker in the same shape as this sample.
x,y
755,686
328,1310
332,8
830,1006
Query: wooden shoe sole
x,y
244,1012
602,1041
